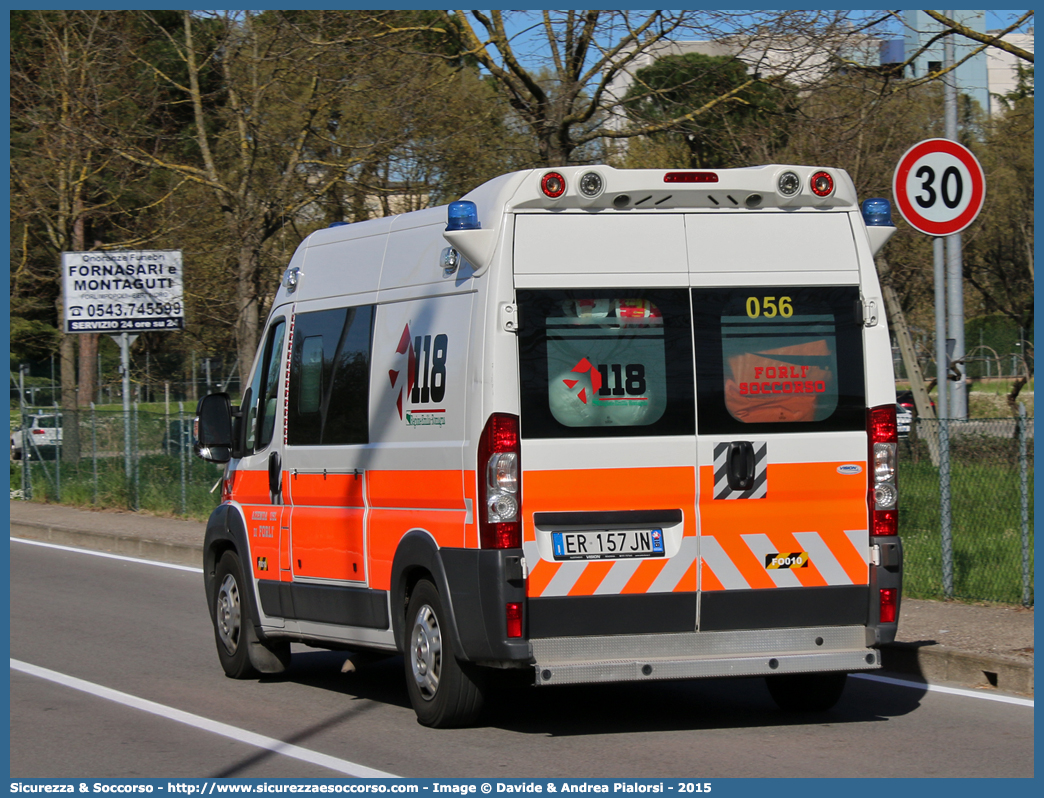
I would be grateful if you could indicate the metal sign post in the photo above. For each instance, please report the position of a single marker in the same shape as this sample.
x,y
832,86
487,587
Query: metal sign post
x,y
939,188
124,342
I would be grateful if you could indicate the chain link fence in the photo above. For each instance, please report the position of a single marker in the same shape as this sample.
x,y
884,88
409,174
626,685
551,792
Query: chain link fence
x,y
974,541
139,461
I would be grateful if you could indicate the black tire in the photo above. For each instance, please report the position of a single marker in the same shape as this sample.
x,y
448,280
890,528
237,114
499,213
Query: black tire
x,y
445,693
233,628
806,692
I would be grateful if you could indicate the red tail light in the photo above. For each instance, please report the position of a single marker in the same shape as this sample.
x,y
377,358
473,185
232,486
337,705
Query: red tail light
x,y
883,498
500,484
514,619
888,604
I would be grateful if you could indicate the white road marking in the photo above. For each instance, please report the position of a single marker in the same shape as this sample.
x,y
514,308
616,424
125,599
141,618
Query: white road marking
x,y
938,688
108,555
206,724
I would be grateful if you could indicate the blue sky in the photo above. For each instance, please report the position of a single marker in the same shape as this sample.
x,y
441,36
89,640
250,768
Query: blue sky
x,y
534,43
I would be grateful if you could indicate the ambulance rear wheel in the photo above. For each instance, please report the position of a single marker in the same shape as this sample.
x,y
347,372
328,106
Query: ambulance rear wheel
x,y
233,629
445,693
806,692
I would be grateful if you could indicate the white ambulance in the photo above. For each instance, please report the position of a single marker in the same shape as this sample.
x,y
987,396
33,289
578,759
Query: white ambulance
x,y
585,425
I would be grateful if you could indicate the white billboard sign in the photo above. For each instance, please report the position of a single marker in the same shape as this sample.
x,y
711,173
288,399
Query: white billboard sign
x,y
128,291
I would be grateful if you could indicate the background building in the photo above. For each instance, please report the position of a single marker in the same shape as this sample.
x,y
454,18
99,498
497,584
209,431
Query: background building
x,y
983,76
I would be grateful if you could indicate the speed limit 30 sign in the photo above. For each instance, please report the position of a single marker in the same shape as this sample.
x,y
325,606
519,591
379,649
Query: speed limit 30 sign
x,y
939,187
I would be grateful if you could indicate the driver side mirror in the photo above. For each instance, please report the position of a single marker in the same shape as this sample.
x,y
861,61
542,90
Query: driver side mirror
x,y
213,428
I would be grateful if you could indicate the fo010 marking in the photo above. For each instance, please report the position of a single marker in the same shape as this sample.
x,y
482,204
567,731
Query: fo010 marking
x,y
786,560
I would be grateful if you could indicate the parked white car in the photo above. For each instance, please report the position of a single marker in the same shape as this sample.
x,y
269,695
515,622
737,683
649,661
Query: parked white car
x,y
44,433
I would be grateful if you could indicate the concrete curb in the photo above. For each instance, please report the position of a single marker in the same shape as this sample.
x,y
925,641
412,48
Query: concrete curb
x,y
932,663
175,553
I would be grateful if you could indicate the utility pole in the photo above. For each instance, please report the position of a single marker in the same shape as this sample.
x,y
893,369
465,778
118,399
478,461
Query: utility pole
x,y
958,406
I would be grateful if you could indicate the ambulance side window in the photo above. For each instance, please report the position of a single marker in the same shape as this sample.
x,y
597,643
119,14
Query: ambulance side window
x,y
260,420
781,358
605,363
330,377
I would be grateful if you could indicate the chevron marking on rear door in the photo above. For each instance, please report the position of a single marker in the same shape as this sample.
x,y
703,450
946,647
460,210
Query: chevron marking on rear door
x,y
672,574
607,577
714,556
823,558
617,578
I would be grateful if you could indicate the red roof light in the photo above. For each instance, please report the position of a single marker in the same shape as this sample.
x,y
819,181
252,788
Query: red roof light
x,y
822,184
690,177
553,185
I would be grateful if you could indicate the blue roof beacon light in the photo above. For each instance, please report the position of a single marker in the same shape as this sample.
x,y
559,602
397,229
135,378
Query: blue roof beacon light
x,y
463,215
877,216
877,212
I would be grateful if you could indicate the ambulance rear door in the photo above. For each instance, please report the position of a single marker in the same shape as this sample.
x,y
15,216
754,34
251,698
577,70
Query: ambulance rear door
x,y
607,424
781,421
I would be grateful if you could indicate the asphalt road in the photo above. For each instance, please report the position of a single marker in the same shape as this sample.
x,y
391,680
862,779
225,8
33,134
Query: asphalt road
x,y
133,633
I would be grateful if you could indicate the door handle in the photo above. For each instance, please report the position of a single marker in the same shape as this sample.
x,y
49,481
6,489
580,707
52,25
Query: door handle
x,y
741,465
275,474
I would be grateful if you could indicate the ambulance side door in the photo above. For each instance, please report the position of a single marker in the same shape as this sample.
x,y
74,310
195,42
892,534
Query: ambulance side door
x,y
326,455
258,476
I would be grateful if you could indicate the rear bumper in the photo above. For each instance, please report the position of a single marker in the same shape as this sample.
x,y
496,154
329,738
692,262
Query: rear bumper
x,y
690,655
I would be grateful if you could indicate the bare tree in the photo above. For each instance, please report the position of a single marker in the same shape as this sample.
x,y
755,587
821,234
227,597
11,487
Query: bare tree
x,y
567,99
283,113
990,40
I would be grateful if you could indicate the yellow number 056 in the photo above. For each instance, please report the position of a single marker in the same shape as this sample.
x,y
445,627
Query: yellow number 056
x,y
769,306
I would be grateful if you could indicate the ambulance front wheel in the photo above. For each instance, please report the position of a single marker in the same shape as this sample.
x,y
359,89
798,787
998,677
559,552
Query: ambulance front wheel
x,y
230,618
806,692
445,693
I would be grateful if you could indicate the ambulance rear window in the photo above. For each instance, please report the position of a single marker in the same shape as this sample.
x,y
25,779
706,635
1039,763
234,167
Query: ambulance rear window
x,y
605,363
779,357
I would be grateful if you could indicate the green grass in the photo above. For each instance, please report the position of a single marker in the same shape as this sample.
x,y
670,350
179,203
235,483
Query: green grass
x,y
158,489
